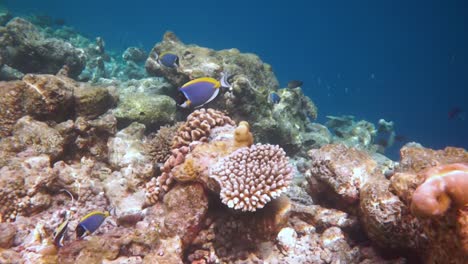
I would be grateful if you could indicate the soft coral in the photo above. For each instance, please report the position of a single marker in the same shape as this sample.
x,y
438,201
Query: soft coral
x,y
444,185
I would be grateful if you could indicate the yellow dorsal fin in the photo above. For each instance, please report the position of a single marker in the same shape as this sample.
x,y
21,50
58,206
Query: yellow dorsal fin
x,y
104,214
216,83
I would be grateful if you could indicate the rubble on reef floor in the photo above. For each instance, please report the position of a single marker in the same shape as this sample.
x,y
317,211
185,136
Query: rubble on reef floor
x,y
243,180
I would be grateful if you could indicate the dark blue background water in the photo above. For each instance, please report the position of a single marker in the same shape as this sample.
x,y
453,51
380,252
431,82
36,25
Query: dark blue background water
x,y
406,62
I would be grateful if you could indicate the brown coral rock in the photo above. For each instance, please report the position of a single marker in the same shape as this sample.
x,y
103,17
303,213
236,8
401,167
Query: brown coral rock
x,y
416,159
22,185
343,169
446,234
36,136
11,108
186,206
7,234
91,101
48,96
387,220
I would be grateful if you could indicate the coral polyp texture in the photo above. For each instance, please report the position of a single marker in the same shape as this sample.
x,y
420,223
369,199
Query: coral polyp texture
x,y
445,186
251,177
196,128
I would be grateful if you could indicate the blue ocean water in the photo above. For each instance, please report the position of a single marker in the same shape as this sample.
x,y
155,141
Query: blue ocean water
x,y
405,61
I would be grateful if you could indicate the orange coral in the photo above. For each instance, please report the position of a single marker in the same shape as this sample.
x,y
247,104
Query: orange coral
x,y
445,185
242,135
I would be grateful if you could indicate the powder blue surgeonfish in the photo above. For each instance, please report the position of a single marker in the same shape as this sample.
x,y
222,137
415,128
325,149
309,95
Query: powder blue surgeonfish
x,y
274,98
201,91
168,59
90,223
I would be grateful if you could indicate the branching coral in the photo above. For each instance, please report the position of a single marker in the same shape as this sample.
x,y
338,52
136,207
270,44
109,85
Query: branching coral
x,y
196,128
444,185
251,177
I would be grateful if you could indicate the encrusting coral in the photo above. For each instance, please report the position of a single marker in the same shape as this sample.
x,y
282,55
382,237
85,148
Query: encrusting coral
x,y
251,177
444,186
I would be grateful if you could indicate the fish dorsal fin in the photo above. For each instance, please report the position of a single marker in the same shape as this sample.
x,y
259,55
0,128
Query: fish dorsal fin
x,y
105,214
203,79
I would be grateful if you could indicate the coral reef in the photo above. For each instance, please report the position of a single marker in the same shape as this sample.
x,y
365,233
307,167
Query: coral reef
x,y
196,128
247,98
202,191
446,234
134,54
342,169
359,134
24,48
50,97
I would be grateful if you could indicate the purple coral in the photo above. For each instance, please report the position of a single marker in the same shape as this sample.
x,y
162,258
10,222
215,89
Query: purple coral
x,y
251,177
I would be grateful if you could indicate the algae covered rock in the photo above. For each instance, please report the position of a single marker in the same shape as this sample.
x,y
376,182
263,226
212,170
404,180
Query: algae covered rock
x,y
288,122
91,101
134,54
198,62
153,111
252,81
35,136
25,48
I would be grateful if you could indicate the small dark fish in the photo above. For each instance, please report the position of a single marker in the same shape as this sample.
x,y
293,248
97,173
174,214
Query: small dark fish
x,y
401,138
454,113
294,84
59,233
274,98
169,59
90,223
59,21
61,230
383,142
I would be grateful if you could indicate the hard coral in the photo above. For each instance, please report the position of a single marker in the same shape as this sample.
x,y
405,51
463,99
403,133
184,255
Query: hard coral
x,y
159,145
251,177
444,185
196,128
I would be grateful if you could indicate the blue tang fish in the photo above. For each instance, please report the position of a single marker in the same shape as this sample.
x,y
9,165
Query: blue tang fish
x,y
201,91
274,98
90,223
168,59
